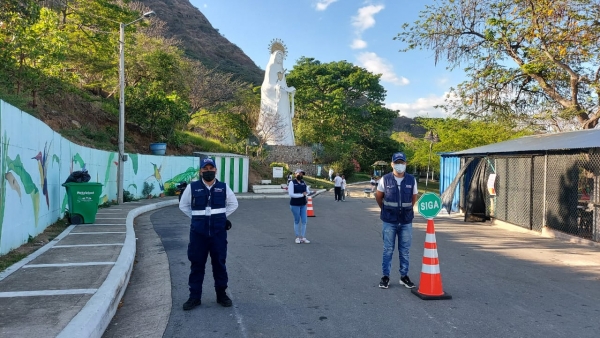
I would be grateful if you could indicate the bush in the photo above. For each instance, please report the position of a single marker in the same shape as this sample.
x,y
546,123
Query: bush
x,y
344,167
148,188
127,196
170,191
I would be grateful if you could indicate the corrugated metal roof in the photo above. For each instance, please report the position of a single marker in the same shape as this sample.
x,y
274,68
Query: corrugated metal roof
x,y
580,139
202,153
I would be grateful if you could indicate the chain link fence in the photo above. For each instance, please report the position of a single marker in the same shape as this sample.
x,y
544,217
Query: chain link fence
x,y
560,191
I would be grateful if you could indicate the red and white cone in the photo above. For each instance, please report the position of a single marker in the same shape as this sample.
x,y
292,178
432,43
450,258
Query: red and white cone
x,y
430,285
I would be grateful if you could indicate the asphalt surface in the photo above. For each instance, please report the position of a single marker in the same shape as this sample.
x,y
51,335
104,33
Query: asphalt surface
x,y
503,283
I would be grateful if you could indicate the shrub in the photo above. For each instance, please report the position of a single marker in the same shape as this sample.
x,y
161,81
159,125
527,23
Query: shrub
x,y
127,196
148,188
170,191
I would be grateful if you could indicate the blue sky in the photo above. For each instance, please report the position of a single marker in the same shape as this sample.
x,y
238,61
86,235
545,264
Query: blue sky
x,y
359,32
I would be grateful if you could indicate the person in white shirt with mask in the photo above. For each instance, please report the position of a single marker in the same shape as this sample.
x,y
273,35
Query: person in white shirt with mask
x,y
396,195
337,187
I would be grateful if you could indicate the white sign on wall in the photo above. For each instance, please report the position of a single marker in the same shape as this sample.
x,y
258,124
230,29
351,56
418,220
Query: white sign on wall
x,y
277,172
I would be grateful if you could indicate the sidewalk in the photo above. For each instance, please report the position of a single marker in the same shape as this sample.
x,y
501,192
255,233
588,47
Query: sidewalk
x,y
71,286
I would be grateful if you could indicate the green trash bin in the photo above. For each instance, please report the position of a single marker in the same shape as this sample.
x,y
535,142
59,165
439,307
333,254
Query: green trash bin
x,y
83,201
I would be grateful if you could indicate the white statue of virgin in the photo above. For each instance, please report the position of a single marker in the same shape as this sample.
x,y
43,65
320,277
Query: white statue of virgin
x,y
276,101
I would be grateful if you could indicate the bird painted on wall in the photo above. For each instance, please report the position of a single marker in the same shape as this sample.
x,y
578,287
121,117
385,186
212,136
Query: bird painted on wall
x,y
42,166
157,176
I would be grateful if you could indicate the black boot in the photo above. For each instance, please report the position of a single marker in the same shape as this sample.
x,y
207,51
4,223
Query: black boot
x,y
222,298
191,303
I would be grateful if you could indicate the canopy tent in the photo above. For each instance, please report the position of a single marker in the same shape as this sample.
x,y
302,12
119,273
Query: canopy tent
x,y
382,165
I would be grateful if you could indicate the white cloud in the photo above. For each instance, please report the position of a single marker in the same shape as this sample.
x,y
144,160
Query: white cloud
x,y
377,65
358,44
423,106
323,4
364,19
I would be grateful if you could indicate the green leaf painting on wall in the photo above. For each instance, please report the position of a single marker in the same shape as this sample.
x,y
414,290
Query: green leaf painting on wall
x,y
77,159
3,150
134,186
30,188
186,176
134,162
111,157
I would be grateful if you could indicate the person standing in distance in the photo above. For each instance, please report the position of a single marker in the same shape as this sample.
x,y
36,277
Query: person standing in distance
x,y
343,188
373,184
337,187
298,190
396,195
208,203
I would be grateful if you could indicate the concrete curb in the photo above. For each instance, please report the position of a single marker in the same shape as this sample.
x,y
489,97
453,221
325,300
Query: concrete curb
x,y
96,315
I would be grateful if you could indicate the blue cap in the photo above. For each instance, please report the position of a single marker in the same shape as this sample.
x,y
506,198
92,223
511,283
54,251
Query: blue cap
x,y
398,156
207,161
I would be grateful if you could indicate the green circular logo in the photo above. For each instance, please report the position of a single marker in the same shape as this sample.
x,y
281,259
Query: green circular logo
x,y
429,205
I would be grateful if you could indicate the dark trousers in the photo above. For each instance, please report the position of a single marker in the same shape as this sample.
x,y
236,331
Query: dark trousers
x,y
338,193
198,250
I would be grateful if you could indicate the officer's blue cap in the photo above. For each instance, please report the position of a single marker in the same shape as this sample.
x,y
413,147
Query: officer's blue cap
x,y
398,157
206,162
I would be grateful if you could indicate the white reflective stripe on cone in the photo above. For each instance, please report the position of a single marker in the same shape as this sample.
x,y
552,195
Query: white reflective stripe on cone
x,y
430,253
212,212
430,269
430,238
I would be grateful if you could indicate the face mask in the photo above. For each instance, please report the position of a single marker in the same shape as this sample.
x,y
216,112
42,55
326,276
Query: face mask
x,y
400,167
298,177
208,175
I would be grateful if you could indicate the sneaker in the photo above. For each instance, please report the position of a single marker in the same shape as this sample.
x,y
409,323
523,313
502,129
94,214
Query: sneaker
x,y
385,282
406,282
297,240
191,303
304,240
224,300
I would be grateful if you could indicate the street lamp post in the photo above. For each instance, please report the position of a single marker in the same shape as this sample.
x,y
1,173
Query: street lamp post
x,y
122,157
432,138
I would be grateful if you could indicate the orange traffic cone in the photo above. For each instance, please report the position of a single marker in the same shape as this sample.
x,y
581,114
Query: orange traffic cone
x,y
309,208
430,285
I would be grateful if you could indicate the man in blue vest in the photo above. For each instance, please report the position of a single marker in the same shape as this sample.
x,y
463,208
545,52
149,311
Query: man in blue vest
x,y
396,195
208,203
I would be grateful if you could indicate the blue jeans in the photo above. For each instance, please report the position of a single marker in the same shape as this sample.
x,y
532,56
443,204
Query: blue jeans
x,y
404,233
299,212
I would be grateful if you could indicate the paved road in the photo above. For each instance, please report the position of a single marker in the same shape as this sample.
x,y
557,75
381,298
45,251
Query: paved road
x,y
503,283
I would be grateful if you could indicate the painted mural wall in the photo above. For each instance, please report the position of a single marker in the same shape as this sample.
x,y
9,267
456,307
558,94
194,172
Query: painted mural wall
x,y
35,161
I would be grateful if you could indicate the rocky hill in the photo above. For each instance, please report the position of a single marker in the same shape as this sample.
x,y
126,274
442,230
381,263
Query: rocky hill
x,y
201,41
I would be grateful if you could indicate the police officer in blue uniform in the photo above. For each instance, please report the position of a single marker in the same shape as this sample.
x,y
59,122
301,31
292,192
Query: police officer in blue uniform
x,y
396,195
208,203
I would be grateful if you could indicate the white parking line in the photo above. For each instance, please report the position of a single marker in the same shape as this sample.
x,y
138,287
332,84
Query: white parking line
x,y
81,245
91,225
97,233
61,265
46,293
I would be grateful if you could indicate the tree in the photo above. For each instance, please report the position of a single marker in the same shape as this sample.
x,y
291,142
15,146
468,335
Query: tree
x,y
156,113
340,106
454,135
526,60
13,10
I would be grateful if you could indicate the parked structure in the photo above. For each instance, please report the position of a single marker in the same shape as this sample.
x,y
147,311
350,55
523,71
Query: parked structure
x,y
549,181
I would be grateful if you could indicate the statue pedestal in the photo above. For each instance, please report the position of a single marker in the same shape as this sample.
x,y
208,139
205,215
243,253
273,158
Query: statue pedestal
x,y
289,154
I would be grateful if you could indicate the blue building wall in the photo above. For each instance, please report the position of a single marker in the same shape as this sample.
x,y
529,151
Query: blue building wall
x,y
449,168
